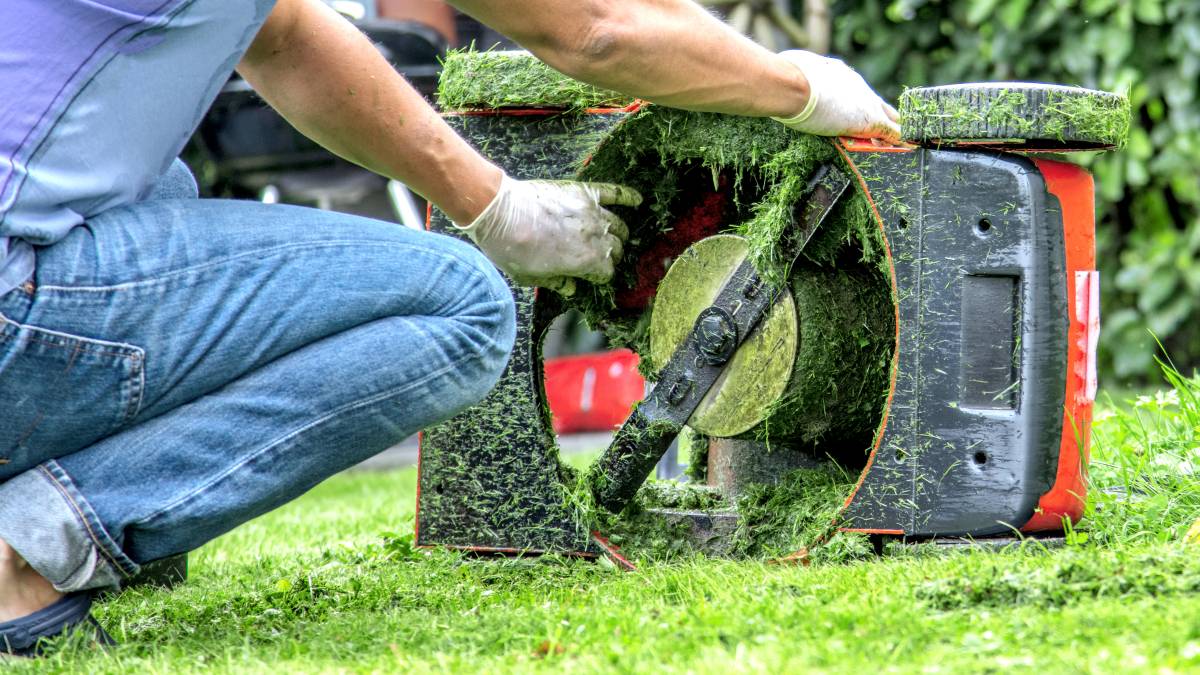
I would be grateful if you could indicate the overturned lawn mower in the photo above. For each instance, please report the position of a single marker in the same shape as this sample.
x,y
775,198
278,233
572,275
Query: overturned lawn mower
x,y
858,339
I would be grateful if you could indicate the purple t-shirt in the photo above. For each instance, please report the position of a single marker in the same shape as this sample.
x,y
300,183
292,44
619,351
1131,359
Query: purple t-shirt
x,y
96,99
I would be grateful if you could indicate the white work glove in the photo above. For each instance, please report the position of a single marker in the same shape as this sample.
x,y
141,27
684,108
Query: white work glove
x,y
542,232
840,102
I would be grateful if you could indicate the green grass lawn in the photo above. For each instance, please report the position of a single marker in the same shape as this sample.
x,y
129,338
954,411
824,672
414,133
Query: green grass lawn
x,y
330,583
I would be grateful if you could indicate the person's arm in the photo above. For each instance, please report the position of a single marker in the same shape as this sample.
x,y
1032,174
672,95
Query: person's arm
x,y
319,72
673,52
325,77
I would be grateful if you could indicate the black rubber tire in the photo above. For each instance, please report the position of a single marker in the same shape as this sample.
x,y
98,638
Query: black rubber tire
x,y
1015,115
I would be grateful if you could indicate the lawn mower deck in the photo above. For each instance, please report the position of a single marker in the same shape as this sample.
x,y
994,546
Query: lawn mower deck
x,y
984,431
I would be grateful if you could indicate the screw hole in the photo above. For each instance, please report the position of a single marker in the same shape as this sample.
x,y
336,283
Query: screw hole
x,y
901,455
902,223
984,225
439,489
981,458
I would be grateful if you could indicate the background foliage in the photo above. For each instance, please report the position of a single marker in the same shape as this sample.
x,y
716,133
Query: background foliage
x,y
1148,195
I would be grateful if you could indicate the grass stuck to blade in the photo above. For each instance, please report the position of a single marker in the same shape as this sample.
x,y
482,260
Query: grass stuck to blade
x,y
332,583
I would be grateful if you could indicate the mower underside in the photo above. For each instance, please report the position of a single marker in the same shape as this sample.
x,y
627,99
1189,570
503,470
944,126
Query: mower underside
x,y
976,427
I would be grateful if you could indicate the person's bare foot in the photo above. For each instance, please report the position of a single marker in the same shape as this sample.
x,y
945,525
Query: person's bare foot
x,y
22,590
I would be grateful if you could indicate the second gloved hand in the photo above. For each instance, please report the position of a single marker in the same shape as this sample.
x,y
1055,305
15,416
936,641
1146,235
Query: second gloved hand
x,y
543,233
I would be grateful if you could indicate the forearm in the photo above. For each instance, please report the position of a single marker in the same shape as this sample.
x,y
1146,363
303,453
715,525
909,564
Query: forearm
x,y
671,52
327,79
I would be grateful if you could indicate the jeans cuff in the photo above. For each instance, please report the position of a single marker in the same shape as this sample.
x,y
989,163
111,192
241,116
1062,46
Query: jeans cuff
x,y
45,519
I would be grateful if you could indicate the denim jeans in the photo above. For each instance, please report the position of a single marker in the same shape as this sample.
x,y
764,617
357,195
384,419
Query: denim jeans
x,y
179,366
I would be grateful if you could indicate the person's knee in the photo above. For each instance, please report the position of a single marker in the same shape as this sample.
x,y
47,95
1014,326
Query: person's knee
x,y
477,323
456,305
494,312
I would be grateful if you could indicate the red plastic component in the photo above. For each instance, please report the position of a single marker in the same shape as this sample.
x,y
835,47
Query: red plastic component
x,y
850,144
1076,193
593,392
704,217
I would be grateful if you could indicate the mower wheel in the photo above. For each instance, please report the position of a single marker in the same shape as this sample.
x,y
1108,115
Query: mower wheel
x,y
1015,116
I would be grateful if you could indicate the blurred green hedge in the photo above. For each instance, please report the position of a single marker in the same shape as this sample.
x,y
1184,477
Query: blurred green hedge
x,y
1148,195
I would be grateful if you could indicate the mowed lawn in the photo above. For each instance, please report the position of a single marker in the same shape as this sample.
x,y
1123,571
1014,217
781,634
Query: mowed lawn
x,y
330,583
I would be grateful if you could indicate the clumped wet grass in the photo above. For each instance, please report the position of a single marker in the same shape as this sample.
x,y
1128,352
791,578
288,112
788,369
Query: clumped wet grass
x,y
669,156
475,80
799,517
801,513
669,494
765,170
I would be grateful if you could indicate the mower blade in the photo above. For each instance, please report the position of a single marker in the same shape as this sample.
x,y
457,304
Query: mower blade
x,y
635,449
825,188
700,360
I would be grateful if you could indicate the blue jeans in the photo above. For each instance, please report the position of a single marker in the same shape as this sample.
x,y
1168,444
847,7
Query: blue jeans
x,y
179,366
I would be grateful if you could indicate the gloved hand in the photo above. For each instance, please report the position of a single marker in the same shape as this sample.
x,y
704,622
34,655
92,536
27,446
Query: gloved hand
x,y
542,233
840,102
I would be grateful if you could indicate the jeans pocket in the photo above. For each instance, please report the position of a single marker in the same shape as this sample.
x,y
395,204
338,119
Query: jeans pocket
x,y
61,392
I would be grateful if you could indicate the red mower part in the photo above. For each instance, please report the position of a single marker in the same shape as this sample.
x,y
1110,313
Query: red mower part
x,y
704,217
1075,190
592,392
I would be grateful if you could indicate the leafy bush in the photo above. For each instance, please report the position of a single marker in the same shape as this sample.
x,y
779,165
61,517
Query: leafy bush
x,y
1148,195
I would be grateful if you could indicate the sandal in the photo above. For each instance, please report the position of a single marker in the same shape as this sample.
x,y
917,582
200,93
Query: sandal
x,y
25,636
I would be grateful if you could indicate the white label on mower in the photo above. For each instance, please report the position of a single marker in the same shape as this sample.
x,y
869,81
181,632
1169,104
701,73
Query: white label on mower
x,y
1087,315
